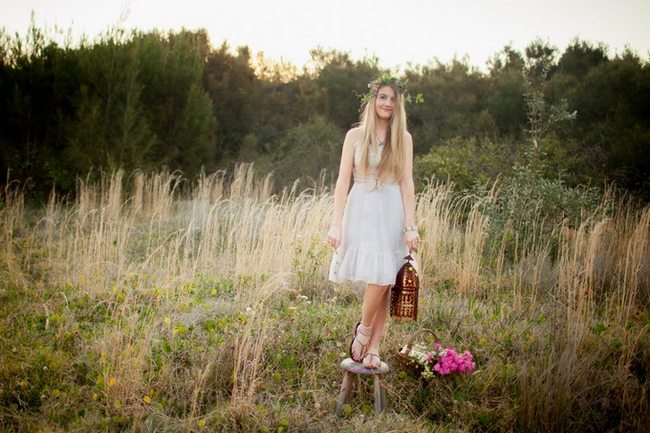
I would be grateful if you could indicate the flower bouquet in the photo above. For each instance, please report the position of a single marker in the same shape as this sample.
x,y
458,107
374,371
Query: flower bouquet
x,y
441,360
420,361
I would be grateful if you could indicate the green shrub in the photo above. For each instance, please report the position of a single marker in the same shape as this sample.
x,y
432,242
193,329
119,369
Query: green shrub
x,y
465,161
529,207
308,149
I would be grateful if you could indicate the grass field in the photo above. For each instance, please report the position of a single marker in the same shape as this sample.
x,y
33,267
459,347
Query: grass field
x,y
171,306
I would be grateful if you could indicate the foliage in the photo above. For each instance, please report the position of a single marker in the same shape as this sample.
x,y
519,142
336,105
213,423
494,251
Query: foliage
x,y
124,101
307,150
465,162
529,207
454,104
341,78
147,100
208,309
230,82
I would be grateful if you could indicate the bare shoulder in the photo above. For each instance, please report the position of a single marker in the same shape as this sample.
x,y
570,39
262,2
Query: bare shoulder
x,y
353,136
355,133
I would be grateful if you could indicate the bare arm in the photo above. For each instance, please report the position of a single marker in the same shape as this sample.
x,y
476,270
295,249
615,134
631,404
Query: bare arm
x,y
342,187
407,188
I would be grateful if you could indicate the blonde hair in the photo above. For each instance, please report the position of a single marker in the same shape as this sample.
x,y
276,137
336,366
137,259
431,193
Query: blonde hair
x,y
391,164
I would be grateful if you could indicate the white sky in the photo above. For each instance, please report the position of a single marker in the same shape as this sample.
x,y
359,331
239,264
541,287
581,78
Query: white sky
x,y
397,32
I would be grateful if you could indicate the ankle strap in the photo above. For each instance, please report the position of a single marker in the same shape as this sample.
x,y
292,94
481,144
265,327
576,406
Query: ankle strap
x,y
363,327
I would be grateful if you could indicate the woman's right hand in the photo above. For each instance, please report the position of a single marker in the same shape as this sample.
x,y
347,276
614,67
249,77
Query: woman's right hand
x,y
412,240
334,236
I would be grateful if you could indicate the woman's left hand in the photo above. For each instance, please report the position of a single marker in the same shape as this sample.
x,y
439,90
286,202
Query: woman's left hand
x,y
412,239
334,236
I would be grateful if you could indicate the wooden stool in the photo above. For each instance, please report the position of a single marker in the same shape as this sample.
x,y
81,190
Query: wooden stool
x,y
351,370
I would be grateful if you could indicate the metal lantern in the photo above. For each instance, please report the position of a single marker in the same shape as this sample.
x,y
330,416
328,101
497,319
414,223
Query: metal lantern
x,y
404,294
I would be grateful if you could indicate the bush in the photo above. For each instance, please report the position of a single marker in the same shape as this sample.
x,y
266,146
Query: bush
x,y
308,149
528,205
465,161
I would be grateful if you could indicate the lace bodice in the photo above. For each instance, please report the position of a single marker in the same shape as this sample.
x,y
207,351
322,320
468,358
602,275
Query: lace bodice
x,y
374,158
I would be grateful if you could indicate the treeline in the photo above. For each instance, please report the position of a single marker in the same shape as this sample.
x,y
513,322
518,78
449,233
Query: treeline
x,y
146,100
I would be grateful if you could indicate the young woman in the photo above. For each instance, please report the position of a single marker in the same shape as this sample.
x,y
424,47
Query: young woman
x,y
374,230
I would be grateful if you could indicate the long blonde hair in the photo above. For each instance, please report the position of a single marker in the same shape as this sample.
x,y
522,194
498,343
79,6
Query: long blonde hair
x,y
391,164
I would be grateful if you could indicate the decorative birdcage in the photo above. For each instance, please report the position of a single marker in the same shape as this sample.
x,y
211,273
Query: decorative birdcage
x,y
405,292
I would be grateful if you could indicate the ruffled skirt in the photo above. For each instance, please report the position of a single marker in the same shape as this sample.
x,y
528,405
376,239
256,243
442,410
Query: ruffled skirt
x,y
372,247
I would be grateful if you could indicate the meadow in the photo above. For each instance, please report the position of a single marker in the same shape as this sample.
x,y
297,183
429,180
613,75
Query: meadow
x,y
152,303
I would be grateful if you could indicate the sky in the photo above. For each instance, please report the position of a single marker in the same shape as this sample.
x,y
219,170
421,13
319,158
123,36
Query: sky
x,y
397,32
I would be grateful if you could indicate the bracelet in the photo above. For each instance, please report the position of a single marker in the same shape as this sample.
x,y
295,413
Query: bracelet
x,y
410,229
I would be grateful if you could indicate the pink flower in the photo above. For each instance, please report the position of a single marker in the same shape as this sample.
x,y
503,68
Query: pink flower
x,y
441,369
444,361
453,362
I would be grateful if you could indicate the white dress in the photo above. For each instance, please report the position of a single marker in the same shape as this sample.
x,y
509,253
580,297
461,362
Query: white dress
x,y
372,248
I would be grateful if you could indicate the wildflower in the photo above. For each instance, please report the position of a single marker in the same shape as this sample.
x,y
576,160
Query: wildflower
x,y
179,330
442,361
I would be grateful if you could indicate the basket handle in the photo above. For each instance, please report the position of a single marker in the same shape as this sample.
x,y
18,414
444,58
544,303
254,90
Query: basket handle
x,y
409,344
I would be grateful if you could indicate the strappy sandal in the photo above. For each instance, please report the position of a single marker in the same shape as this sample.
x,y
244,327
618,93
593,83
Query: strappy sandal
x,y
364,346
369,356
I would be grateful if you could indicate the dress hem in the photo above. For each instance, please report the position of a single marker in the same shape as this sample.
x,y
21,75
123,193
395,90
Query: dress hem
x,y
359,280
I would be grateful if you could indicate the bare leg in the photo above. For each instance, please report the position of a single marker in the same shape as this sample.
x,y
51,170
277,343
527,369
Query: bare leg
x,y
375,311
379,323
373,301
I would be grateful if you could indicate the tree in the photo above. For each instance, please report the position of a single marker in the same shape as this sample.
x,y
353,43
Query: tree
x,y
580,57
613,101
505,101
308,149
454,100
230,82
539,62
342,81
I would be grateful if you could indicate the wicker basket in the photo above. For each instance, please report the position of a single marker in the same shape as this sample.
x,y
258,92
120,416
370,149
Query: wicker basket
x,y
404,294
408,364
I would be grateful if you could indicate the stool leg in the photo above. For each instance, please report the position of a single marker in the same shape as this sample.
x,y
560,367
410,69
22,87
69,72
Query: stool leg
x,y
346,387
380,397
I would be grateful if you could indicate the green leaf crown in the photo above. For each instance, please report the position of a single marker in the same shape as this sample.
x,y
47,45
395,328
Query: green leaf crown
x,y
388,79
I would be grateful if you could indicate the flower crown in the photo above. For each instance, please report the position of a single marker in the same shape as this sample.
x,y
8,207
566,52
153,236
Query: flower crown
x,y
387,79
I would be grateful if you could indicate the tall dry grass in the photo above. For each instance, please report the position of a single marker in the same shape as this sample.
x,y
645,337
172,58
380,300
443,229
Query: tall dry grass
x,y
146,244
161,237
